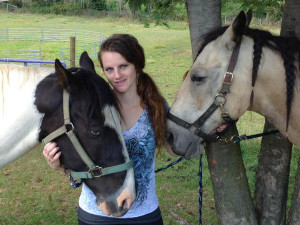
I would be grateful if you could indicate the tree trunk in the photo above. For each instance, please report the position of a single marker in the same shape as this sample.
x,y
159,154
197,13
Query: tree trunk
x,y
274,160
294,215
203,16
232,196
233,199
291,19
291,27
272,178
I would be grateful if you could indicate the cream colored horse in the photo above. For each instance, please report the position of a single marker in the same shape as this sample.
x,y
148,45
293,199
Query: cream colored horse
x,y
270,97
20,121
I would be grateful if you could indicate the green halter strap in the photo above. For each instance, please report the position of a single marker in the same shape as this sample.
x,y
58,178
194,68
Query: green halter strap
x,y
68,128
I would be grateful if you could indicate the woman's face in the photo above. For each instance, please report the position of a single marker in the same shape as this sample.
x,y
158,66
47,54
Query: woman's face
x,y
120,74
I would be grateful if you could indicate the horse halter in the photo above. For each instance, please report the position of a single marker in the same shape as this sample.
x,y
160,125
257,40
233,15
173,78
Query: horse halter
x,y
94,171
220,100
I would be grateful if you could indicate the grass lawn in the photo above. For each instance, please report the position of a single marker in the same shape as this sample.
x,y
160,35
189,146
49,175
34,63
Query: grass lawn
x,y
31,193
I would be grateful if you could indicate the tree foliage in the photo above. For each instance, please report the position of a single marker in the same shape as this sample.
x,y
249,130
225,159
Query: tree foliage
x,y
264,8
157,11
163,9
136,5
85,4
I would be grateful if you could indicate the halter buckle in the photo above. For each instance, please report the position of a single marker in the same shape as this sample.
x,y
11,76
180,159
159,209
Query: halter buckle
x,y
228,77
192,127
97,172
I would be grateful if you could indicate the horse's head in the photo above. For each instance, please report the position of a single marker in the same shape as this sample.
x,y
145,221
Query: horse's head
x,y
95,121
204,86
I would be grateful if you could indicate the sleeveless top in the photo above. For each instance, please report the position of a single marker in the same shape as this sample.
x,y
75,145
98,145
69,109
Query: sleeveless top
x,y
140,143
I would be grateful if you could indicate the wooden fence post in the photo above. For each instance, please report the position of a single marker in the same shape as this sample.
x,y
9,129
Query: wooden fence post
x,y
72,51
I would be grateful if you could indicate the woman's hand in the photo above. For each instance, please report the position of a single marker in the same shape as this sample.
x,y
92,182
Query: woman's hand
x,y
52,153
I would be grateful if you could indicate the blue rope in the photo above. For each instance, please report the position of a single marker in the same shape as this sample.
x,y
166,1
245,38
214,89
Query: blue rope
x,y
200,182
171,164
200,190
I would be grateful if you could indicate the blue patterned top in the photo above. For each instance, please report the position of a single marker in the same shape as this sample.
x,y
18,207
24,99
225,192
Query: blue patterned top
x,y
140,143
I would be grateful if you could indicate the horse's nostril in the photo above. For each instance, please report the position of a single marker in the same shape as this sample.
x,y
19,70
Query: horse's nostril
x,y
123,208
125,205
170,137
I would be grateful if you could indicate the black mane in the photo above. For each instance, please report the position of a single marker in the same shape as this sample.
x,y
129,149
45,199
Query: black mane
x,y
288,47
98,91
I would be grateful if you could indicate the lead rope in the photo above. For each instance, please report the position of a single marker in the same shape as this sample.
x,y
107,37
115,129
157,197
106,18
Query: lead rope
x,y
200,181
236,139
200,190
169,165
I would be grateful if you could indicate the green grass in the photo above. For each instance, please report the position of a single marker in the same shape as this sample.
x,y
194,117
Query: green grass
x,y
31,193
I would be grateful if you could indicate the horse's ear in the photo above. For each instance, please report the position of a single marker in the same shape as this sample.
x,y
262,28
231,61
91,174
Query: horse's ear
x,y
86,62
235,31
249,17
62,75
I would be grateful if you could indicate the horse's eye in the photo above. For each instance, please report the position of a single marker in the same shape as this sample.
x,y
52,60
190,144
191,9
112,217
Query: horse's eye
x,y
196,78
95,132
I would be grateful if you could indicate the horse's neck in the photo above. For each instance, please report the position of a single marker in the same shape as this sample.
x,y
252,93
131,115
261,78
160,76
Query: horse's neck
x,y
19,118
270,95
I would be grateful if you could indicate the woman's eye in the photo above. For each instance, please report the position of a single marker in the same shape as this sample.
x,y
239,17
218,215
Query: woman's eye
x,y
123,66
109,70
196,78
95,132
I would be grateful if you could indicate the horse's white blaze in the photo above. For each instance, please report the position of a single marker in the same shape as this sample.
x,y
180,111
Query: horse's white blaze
x,y
19,118
127,191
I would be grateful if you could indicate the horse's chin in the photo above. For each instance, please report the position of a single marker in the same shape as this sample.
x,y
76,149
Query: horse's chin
x,y
194,151
117,206
119,214
198,149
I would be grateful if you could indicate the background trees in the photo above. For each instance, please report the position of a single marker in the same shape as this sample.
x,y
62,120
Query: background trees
x,y
158,11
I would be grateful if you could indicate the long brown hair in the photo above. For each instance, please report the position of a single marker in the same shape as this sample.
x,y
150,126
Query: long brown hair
x,y
129,47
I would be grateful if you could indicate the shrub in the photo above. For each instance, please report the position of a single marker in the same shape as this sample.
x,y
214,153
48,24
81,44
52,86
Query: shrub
x,y
17,3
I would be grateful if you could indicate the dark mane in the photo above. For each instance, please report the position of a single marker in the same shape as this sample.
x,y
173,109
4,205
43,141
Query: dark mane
x,y
209,37
95,90
288,47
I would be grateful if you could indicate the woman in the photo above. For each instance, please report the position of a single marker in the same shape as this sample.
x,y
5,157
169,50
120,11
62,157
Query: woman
x,y
143,113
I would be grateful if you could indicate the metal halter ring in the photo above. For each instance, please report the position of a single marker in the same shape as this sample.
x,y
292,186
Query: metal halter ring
x,y
220,99
69,126
97,172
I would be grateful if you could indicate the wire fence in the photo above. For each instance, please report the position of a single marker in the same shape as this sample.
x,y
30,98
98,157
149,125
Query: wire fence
x,y
261,21
22,54
9,7
85,41
35,34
